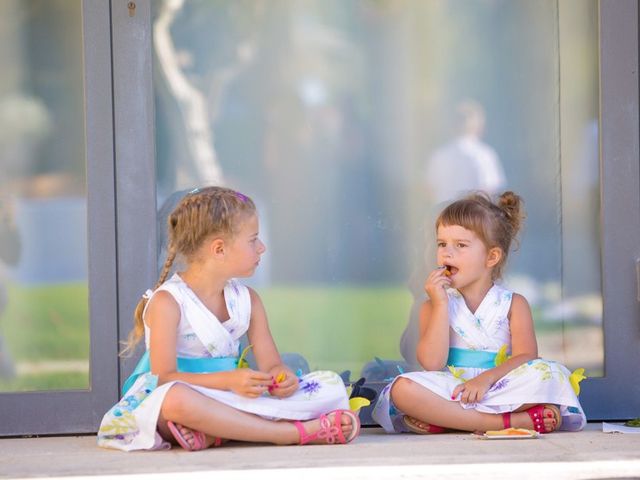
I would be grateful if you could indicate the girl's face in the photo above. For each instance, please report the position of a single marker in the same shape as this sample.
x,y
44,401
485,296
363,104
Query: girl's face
x,y
245,248
464,254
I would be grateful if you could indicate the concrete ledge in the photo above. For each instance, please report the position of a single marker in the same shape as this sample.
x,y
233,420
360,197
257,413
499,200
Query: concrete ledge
x,y
589,454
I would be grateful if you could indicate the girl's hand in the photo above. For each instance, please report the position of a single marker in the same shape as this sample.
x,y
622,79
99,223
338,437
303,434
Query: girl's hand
x,y
285,383
435,286
249,383
473,390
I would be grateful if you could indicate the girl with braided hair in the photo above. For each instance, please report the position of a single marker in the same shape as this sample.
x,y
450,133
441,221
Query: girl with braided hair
x,y
477,342
191,387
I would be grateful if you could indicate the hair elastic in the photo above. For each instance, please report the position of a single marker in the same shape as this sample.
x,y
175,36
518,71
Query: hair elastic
x,y
242,197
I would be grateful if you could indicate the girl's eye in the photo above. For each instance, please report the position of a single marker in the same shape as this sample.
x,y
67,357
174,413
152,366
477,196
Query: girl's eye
x,y
461,245
441,244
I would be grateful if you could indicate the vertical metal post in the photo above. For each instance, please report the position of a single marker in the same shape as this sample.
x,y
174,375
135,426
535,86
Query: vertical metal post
x,y
135,158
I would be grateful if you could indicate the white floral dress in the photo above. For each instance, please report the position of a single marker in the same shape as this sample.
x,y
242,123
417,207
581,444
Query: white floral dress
x,y
484,334
132,423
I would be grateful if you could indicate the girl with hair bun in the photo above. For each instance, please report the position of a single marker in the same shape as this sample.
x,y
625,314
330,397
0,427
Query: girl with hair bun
x,y
477,341
192,386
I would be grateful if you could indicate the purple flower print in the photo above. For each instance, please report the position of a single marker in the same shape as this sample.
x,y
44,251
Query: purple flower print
x,y
499,385
311,387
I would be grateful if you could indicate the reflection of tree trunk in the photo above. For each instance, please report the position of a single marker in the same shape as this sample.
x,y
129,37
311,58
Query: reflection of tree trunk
x,y
245,52
191,102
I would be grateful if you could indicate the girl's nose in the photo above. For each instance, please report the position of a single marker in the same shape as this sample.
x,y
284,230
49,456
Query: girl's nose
x,y
262,247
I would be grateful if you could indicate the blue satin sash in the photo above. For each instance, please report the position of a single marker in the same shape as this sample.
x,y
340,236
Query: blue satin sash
x,y
185,365
462,357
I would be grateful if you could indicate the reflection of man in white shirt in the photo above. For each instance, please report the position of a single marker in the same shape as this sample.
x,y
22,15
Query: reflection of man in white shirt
x,y
467,163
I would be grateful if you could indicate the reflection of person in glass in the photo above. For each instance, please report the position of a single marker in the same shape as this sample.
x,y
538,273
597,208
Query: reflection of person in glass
x,y
24,124
477,343
195,389
467,163
9,255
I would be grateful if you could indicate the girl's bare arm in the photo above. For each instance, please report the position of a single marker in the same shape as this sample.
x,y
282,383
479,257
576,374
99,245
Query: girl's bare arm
x,y
433,346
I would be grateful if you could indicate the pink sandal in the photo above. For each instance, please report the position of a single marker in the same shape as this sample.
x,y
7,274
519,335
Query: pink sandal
x,y
331,432
536,414
199,438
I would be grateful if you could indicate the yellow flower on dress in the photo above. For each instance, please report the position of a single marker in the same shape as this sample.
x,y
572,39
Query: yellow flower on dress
x,y
575,378
457,372
242,362
502,356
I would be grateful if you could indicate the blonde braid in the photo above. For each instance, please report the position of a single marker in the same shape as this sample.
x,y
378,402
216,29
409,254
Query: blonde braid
x,y
136,334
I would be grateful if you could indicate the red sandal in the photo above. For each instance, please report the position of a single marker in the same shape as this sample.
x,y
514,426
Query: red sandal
x,y
331,432
536,414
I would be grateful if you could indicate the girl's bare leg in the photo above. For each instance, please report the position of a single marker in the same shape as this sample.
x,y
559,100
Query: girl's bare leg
x,y
423,404
189,408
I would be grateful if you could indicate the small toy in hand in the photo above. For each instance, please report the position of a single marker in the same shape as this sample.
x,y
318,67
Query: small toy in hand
x,y
281,377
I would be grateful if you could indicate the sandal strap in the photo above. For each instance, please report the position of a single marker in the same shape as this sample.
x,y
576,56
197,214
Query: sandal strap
x,y
304,438
506,419
537,417
330,432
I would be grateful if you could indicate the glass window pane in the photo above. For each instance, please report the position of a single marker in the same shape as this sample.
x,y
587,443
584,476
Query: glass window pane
x,y
44,323
350,123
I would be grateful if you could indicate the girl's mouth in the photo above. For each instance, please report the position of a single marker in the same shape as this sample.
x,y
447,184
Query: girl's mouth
x,y
449,271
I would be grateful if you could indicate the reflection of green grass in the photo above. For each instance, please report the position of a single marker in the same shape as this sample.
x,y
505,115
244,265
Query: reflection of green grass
x,y
47,322
335,328
338,328
46,381
43,324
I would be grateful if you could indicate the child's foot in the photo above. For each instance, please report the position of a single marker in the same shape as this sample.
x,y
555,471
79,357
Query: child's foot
x,y
541,418
339,426
420,427
192,440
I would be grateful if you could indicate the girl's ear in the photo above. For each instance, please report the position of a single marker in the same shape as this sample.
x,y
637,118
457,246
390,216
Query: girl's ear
x,y
494,256
217,248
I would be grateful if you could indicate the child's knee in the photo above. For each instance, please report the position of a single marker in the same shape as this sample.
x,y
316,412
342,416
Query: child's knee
x,y
176,400
402,388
